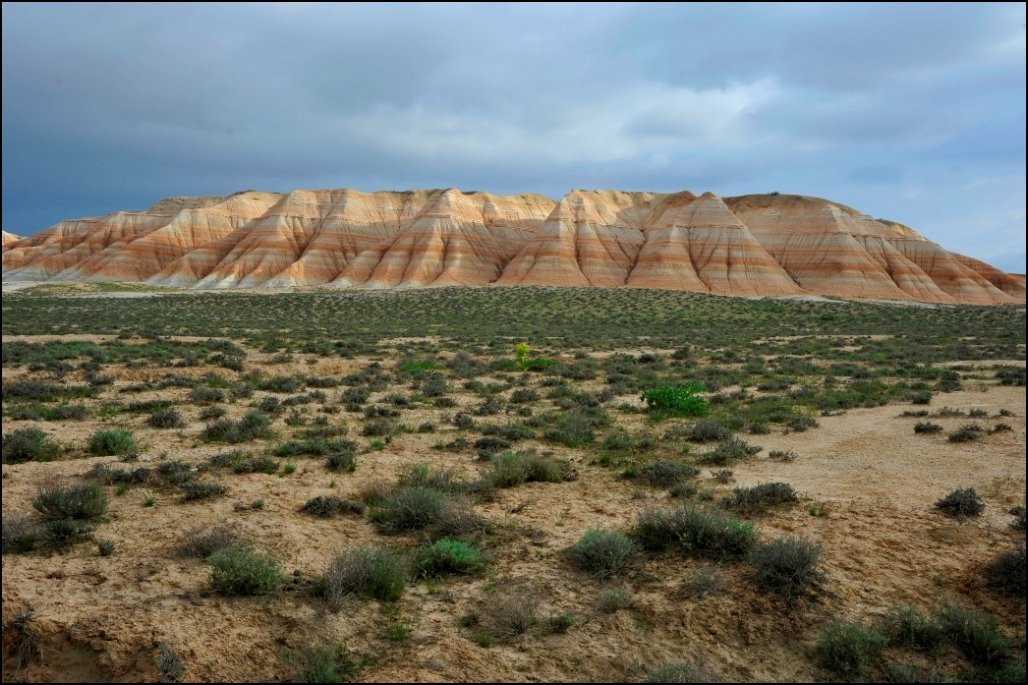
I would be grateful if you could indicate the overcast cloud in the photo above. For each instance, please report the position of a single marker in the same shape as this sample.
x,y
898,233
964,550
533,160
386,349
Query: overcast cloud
x,y
913,113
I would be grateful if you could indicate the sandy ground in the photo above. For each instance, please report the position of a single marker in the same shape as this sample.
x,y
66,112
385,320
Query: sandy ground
x,y
867,484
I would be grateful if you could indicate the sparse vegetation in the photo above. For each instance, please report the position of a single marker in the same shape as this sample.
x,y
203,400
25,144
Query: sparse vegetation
x,y
603,553
373,572
962,502
29,444
239,570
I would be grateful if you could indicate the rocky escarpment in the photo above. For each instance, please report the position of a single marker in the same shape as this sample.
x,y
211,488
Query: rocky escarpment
x,y
751,245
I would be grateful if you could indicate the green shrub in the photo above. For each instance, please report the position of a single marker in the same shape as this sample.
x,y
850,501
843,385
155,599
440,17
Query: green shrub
x,y
573,429
369,571
787,566
848,649
20,534
326,507
62,533
973,632
198,490
343,460
1006,572
602,553
447,556
165,418
908,628
666,474
322,664
694,531
110,475
613,600
410,508
29,444
238,570
1018,513
253,426
511,469
759,498
114,441
55,502
969,432
728,451
927,428
170,666
676,400
265,465
961,502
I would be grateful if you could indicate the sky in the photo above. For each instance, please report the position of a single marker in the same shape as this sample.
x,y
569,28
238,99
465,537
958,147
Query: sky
x,y
914,113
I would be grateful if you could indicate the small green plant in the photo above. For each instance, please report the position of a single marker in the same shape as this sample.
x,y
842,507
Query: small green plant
x,y
105,547
962,502
114,441
29,444
239,570
521,351
165,418
670,400
448,557
602,553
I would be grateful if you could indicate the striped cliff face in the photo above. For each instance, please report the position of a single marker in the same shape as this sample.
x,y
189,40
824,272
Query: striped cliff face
x,y
752,245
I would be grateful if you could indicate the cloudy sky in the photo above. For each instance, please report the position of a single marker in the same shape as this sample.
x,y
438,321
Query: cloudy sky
x,y
913,113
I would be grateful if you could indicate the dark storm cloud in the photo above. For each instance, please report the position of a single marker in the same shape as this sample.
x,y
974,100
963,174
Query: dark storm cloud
x,y
907,112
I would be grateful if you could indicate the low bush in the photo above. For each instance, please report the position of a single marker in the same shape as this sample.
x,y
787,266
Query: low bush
x,y
198,490
973,632
165,418
326,507
962,502
342,460
331,663
760,498
908,628
603,553
728,451
29,444
967,433
239,570
787,566
373,572
614,600
927,428
446,557
709,431
114,441
253,426
410,508
676,400
511,611
694,531
666,474
1006,573
54,501
20,533
849,650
